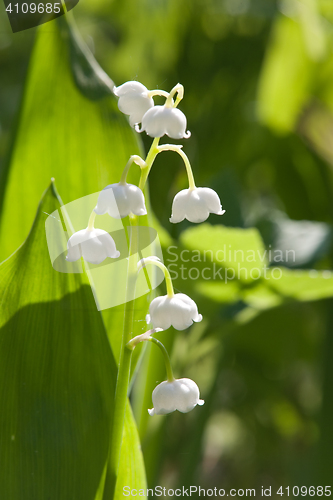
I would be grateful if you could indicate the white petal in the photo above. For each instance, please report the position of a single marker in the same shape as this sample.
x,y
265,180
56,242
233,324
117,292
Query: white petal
x,y
179,206
161,120
133,101
136,200
194,308
175,123
212,200
181,314
160,312
182,395
73,246
153,122
197,210
95,246
195,205
130,87
188,395
119,200
107,202
178,311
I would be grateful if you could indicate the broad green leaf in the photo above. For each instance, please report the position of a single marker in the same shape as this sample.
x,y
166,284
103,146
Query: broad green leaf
x,y
301,285
132,471
57,377
57,380
240,252
69,128
285,80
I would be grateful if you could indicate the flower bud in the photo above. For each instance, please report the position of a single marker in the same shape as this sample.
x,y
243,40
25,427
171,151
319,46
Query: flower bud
x,y
181,394
195,205
119,200
161,120
94,245
178,311
133,100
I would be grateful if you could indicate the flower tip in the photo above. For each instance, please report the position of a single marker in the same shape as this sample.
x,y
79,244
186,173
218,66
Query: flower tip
x,y
116,255
97,211
201,402
198,318
142,211
175,220
187,135
137,128
151,412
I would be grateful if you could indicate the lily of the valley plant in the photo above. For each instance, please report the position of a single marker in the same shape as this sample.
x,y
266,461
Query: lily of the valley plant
x,y
95,245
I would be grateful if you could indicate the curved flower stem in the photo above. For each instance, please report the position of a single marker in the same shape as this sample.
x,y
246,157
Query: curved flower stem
x,y
168,281
91,220
142,337
178,149
162,93
170,376
148,338
179,90
133,159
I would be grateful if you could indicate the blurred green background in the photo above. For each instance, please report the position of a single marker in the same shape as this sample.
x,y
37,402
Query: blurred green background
x,y
258,78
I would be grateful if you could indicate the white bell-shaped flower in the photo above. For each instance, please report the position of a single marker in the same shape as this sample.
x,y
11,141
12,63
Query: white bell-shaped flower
x,y
94,245
119,200
161,120
195,205
181,394
133,100
178,311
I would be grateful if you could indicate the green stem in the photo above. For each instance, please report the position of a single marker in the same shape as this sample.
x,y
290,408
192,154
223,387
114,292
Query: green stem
x,y
125,358
133,159
178,149
146,337
168,280
91,220
162,93
153,152
179,90
168,367
120,400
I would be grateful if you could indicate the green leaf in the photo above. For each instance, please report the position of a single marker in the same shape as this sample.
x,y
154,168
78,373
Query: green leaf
x,y
285,79
57,377
240,252
132,471
83,143
70,128
57,380
302,285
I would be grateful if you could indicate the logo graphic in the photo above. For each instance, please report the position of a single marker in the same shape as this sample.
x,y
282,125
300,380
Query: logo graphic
x,y
108,279
24,15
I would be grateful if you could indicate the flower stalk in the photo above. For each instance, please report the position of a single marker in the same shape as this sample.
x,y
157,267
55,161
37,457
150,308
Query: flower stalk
x,y
156,262
95,245
179,150
91,220
133,159
122,384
